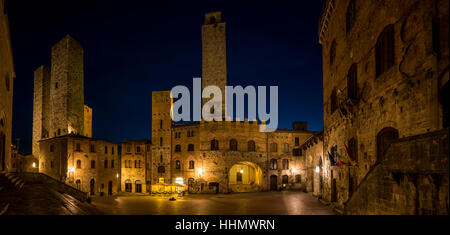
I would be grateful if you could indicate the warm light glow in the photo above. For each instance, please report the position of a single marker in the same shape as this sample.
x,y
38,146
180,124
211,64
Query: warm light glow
x,y
200,171
179,180
317,169
294,170
72,169
117,175
34,164
242,171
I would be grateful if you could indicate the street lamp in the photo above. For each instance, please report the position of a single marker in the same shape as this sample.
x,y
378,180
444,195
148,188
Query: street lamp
x,y
317,169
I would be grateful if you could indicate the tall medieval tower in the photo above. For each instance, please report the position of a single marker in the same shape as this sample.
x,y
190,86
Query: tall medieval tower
x,y
214,66
58,103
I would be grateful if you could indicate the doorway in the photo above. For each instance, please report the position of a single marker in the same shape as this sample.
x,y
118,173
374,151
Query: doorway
x,y
92,186
138,185
110,188
273,183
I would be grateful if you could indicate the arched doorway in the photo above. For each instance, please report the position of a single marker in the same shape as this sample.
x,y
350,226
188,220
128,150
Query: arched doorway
x,y
78,183
384,140
128,186
110,188
245,177
92,187
273,183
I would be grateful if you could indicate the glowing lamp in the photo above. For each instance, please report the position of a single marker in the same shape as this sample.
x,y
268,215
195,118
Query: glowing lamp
x,y
34,164
200,171
317,169
72,169
242,171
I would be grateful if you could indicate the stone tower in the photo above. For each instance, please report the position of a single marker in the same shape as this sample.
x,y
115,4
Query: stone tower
x,y
87,121
67,88
214,66
161,136
41,107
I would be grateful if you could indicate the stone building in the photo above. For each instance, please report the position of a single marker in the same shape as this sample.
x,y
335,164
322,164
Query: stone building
x,y
385,76
314,159
135,165
7,76
88,164
228,156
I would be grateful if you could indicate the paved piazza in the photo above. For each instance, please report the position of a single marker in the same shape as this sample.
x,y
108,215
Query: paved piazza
x,y
279,203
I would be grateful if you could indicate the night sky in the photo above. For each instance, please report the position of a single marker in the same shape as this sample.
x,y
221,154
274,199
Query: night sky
x,y
135,47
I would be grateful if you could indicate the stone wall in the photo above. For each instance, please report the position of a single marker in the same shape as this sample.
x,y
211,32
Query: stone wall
x,y
412,179
404,97
7,76
135,164
87,121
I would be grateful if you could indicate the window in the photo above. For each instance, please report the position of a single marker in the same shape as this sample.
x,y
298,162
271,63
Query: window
x,y
161,158
298,179
52,148
7,82
112,150
333,100
59,132
273,164
350,15
239,177
233,145
297,141
384,50
285,147
160,141
161,169
135,164
106,163
285,179
191,165
92,164
106,149
92,148
273,147
297,152
78,147
112,163
214,144
177,164
128,148
128,186
191,147
138,149
352,82
160,124
251,146
285,164
78,164
51,164
138,186
353,149
56,85
177,148
332,52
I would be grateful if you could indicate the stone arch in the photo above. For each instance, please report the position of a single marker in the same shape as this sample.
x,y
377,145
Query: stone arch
x,y
245,176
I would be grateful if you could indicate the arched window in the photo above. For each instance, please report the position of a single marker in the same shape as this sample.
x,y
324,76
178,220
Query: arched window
x,y
285,179
177,164
352,82
251,146
191,147
161,169
384,140
92,163
273,164
350,15
353,149
233,145
285,147
214,144
384,50
79,164
285,164
273,147
332,52
78,183
177,148
191,164
333,100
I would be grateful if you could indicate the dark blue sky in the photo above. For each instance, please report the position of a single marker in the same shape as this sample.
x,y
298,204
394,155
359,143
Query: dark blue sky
x,y
135,47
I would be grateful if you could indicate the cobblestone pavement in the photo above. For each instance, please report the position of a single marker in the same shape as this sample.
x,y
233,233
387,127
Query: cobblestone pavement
x,y
279,203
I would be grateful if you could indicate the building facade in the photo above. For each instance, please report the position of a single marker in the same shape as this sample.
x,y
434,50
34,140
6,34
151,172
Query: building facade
x,y
228,156
135,164
385,76
7,76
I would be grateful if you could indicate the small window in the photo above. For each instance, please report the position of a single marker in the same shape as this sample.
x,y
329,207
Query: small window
x,y
297,152
352,82
332,52
285,147
138,149
92,164
191,147
92,148
112,163
106,163
52,164
214,144
161,158
160,124
56,85
78,164
273,147
273,164
78,147
251,146
233,145
191,165
178,165
298,179
161,169
351,15
384,50
52,148
106,149
177,148
128,148
59,132
112,150
285,164
160,141
297,141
